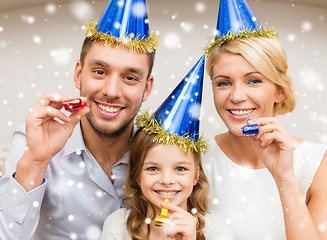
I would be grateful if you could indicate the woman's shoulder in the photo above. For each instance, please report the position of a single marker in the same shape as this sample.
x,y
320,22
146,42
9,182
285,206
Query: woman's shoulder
x,y
306,147
308,156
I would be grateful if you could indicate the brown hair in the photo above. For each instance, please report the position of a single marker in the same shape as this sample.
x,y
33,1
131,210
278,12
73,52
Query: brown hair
x,y
88,43
198,199
267,56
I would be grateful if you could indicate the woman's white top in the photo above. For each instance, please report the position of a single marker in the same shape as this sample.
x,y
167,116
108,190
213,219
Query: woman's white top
x,y
114,227
249,198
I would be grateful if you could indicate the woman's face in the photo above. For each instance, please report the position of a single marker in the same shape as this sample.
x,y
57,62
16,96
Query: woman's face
x,y
241,92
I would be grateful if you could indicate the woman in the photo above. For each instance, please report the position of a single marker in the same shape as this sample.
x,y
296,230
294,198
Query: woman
x,y
271,185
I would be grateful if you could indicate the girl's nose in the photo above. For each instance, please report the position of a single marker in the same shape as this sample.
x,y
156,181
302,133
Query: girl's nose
x,y
167,178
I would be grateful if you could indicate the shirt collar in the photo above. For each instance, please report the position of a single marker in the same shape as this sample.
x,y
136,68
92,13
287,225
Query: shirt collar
x,y
76,142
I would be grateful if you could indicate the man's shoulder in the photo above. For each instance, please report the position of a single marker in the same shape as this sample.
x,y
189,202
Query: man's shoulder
x,y
21,129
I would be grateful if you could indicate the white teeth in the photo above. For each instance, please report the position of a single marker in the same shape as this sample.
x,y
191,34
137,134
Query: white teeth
x,y
241,112
167,193
108,109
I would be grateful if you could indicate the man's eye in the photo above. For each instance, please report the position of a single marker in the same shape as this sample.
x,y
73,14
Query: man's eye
x,y
99,72
130,78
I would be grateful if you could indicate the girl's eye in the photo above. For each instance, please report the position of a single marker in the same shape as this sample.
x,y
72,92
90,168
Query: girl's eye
x,y
152,169
180,169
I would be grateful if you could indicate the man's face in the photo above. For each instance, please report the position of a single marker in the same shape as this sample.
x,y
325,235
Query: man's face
x,y
115,82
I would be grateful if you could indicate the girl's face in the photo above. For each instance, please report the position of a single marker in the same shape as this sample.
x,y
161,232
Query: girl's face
x,y
168,172
241,92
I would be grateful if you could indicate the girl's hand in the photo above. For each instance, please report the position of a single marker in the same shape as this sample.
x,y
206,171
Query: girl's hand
x,y
276,146
182,225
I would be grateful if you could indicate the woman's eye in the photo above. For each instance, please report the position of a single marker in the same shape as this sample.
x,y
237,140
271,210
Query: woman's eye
x,y
222,84
255,81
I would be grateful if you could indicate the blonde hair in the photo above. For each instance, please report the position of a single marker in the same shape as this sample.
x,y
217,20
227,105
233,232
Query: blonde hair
x,y
198,199
267,56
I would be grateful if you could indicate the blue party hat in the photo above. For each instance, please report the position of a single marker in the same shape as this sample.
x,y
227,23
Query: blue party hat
x,y
124,23
236,21
176,121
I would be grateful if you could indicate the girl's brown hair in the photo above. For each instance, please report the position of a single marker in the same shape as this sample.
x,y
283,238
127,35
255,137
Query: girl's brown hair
x,y
198,199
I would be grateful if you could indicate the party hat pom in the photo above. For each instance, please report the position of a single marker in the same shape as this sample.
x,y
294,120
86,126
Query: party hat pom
x,y
237,21
176,121
124,23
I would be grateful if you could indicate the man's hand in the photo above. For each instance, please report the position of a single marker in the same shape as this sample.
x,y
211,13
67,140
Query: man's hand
x,y
45,137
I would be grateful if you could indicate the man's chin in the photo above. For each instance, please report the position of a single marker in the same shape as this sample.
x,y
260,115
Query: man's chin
x,y
108,131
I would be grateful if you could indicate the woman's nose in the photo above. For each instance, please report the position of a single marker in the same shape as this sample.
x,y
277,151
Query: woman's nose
x,y
238,93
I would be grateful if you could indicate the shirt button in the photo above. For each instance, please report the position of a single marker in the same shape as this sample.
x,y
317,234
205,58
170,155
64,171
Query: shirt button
x,y
22,207
118,168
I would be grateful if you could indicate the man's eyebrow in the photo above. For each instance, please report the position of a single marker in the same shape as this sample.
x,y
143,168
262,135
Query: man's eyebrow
x,y
99,62
136,70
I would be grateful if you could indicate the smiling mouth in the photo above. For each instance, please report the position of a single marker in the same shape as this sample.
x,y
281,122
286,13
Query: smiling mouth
x,y
108,109
168,194
241,112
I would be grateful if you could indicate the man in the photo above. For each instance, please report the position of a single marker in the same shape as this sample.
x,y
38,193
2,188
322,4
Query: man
x,y
63,178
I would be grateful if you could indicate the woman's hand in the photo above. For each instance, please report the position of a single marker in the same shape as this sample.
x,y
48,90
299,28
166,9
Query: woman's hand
x,y
276,146
182,225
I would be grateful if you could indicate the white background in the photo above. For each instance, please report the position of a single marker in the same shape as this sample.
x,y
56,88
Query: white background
x,y
40,45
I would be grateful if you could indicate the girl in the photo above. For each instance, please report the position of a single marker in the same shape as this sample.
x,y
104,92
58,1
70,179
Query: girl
x,y
158,171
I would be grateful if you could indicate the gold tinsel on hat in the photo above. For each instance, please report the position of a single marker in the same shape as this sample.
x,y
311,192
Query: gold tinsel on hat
x,y
230,36
150,125
147,45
